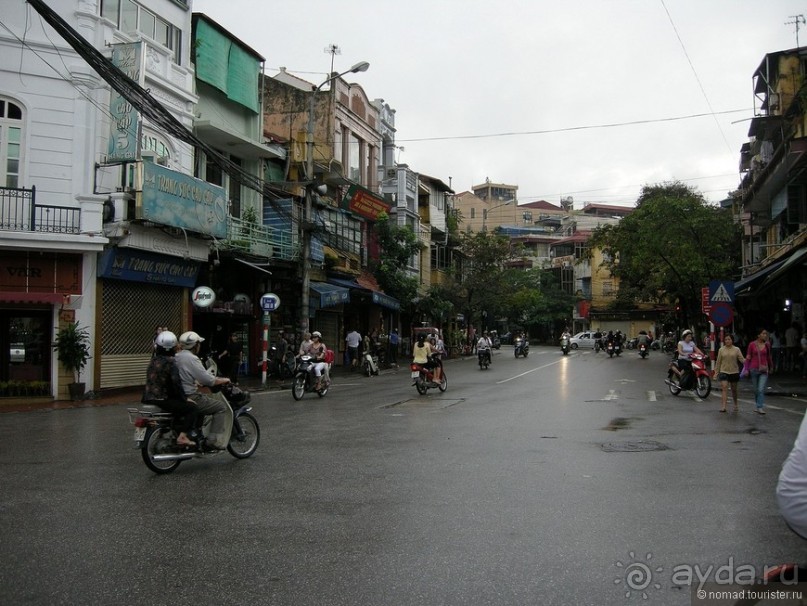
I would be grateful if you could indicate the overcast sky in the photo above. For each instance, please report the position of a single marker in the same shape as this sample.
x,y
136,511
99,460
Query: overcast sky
x,y
523,91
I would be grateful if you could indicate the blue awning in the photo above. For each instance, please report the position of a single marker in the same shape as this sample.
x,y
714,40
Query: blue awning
x,y
379,298
744,286
330,295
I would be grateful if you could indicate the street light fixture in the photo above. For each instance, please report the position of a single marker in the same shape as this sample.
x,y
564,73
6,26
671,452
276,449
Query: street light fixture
x,y
486,211
362,66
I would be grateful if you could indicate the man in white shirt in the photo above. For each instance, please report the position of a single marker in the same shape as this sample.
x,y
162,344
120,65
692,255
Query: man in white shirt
x,y
352,340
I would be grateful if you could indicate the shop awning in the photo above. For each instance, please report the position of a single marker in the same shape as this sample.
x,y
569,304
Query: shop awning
x,y
379,298
791,262
35,297
330,294
744,286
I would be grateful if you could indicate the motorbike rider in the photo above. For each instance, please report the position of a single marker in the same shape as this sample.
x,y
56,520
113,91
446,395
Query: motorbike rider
x,y
193,374
610,338
644,338
686,347
317,351
164,387
422,354
484,344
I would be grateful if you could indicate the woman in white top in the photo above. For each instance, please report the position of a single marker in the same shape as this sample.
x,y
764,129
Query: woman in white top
x,y
686,347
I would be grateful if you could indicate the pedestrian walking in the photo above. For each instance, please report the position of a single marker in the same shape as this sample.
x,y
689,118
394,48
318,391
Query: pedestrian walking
x,y
352,341
394,339
759,362
727,371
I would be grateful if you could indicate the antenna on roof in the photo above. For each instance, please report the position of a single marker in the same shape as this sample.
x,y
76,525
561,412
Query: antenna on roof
x,y
796,20
334,50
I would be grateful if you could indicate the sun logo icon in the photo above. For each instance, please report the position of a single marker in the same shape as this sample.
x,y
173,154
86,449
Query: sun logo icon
x,y
638,575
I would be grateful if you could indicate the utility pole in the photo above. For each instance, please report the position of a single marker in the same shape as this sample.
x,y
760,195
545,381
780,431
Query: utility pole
x,y
797,19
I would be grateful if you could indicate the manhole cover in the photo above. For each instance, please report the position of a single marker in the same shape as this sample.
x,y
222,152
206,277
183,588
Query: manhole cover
x,y
637,446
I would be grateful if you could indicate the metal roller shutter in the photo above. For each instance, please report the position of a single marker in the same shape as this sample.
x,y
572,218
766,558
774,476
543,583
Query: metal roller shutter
x,y
130,311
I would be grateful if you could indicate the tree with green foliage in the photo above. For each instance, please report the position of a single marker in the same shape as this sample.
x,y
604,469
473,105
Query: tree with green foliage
x,y
670,247
397,245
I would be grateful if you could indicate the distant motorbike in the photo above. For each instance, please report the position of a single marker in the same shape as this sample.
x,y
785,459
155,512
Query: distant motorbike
x,y
613,349
643,350
156,432
483,356
521,347
423,378
696,378
370,363
305,380
597,345
565,345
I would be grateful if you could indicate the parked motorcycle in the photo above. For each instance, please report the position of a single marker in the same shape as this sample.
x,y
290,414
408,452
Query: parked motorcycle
x,y
305,380
698,378
370,363
156,432
565,345
279,366
483,355
521,347
423,378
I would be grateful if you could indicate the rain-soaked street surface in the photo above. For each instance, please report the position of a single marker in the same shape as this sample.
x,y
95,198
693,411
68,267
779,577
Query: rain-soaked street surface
x,y
546,480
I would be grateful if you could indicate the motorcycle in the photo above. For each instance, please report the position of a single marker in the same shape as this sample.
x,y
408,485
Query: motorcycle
x,y
279,366
521,347
423,379
305,380
370,364
483,355
156,432
698,378
643,351
613,349
565,345
597,345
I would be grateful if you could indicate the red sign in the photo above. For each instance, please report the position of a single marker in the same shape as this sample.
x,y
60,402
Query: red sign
x,y
705,305
362,201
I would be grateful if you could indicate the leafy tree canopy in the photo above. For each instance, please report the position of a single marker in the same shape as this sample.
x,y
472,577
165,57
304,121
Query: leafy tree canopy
x,y
397,245
670,247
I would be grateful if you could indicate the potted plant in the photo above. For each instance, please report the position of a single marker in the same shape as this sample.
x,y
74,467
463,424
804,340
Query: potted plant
x,y
72,347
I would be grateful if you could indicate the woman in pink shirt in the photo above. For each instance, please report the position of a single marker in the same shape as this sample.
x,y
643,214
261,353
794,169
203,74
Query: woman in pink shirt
x,y
759,362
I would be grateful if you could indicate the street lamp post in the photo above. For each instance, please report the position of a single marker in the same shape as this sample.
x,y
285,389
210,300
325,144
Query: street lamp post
x,y
485,212
307,209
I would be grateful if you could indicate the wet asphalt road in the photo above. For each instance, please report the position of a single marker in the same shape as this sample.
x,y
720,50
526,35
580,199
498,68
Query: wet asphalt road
x,y
513,487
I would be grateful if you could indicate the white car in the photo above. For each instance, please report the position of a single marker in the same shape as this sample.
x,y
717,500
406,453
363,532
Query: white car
x,y
585,339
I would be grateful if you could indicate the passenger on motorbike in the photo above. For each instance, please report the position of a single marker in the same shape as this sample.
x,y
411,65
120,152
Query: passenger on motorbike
x,y
686,347
317,351
164,387
306,344
484,343
644,338
422,354
193,373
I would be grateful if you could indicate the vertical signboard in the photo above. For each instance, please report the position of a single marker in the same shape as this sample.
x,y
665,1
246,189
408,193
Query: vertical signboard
x,y
124,134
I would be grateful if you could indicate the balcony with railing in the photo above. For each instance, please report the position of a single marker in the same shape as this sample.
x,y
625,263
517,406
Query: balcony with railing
x,y
258,240
20,212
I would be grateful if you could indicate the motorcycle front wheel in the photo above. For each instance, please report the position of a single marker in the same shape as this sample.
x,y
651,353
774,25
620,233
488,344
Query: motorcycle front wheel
x,y
443,384
298,387
245,436
159,440
703,386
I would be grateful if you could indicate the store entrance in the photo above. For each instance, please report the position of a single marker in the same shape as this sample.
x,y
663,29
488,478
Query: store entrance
x,y
25,352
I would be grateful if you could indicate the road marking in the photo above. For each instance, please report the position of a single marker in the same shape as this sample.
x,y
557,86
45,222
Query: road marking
x,y
651,395
518,376
611,395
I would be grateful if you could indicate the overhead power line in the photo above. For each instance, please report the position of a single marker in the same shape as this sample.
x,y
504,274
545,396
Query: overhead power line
x,y
574,128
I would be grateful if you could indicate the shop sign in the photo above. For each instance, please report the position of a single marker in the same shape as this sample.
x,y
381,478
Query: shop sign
x,y
125,122
141,266
362,201
203,296
172,198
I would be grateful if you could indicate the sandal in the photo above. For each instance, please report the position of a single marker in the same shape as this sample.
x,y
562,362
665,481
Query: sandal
x,y
186,443
723,410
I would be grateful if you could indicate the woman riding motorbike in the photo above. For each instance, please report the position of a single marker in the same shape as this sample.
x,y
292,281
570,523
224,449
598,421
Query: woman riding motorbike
x,y
686,347
422,354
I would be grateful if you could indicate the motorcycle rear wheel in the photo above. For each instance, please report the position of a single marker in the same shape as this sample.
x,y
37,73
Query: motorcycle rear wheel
x,y
526,352
420,385
158,440
321,393
298,387
443,384
244,445
703,386
674,383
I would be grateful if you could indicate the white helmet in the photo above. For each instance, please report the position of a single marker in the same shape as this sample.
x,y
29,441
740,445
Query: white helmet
x,y
166,340
316,334
189,339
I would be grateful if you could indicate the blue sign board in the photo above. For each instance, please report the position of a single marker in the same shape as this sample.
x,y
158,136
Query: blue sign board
x,y
141,266
175,199
270,302
721,291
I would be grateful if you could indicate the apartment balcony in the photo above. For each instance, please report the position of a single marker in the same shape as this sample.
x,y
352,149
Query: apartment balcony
x,y
263,241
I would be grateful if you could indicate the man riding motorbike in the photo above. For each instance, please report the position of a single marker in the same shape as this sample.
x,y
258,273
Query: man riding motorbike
x,y
484,345
193,373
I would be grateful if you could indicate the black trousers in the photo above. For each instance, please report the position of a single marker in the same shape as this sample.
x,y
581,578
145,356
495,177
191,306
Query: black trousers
x,y
184,412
